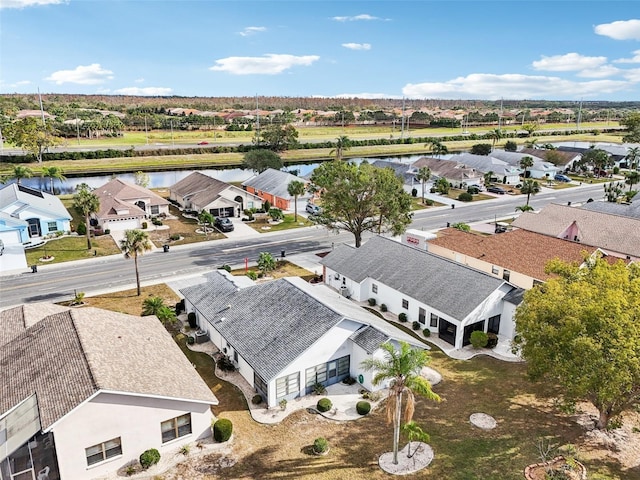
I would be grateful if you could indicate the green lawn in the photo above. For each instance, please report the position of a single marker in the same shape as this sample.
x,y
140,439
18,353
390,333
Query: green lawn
x,y
287,224
454,192
65,249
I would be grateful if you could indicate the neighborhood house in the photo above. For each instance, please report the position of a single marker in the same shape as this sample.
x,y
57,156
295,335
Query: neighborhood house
x,y
272,186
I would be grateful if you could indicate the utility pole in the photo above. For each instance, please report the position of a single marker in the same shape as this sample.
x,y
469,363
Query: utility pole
x,y
171,121
146,131
77,128
402,130
257,122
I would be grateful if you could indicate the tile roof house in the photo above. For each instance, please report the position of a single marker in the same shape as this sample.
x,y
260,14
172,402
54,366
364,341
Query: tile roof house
x,y
43,213
123,376
517,256
450,299
286,335
271,185
456,173
123,205
613,234
199,192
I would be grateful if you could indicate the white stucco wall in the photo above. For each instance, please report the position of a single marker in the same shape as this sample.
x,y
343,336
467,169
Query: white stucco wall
x,y
355,291
136,420
491,306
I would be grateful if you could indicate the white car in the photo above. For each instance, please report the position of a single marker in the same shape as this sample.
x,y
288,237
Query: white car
x,y
313,209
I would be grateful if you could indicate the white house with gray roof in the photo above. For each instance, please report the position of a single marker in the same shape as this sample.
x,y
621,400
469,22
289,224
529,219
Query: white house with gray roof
x,y
84,391
450,299
285,336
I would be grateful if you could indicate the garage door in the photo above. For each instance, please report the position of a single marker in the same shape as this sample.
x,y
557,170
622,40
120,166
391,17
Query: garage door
x,y
123,225
222,212
10,237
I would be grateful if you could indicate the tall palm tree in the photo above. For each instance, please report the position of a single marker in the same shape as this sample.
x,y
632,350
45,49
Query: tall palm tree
x,y
342,145
495,135
487,178
531,143
206,218
53,173
530,187
86,202
152,306
135,243
632,179
295,189
436,148
423,176
526,163
401,368
633,157
19,172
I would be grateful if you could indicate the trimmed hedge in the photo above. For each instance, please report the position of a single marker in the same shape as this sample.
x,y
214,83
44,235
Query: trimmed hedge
x,y
149,457
363,407
222,430
257,399
372,302
415,325
426,332
402,317
320,445
324,405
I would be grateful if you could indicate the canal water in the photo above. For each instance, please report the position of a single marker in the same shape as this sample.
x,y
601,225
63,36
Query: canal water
x,y
168,178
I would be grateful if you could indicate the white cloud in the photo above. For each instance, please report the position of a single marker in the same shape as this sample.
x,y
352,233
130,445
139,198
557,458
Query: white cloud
x,y
632,75
357,46
144,91
139,80
355,18
599,72
634,59
83,75
252,31
620,30
568,62
28,3
269,64
513,86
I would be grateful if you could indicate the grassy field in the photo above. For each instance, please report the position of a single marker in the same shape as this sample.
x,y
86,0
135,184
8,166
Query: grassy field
x,y
525,413
65,249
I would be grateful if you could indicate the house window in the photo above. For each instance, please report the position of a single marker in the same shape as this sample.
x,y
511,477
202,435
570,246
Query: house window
x,y
506,274
235,356
434,320
422,316
155,209
103,451
288,385
343,365
405,303
176,427
495,270
52,226
374,288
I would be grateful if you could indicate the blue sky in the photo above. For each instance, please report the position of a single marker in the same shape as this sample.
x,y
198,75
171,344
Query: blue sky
x,y
511,49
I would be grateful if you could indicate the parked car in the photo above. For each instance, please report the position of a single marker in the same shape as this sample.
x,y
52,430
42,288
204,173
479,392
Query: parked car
x,y
223,224
203,143
498,190
473,189
479,187
561,178
313,209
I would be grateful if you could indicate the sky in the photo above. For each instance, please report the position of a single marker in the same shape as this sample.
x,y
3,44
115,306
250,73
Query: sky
x,y
417,49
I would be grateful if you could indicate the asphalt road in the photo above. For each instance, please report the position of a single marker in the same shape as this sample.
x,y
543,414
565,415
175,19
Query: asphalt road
x,y
59,282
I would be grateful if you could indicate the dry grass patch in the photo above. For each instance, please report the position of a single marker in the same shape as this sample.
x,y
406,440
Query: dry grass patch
x,y
284,268
127,301
182,226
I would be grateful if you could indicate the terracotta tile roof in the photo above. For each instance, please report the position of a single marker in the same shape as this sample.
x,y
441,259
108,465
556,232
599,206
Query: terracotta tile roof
x,y
519,250
128,192
66,357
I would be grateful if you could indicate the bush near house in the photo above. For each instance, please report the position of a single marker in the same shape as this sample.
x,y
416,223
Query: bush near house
x,y
465,197
372,302
257,399
383,308
363,407
324,405
192,319
479,339
149,457
415,325
402,317
222,430
426,332
492,340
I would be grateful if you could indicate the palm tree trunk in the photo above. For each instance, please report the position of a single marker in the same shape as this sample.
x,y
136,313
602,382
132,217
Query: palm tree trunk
x,y
295,208
135,261
51,180
423,183
396,428
86,218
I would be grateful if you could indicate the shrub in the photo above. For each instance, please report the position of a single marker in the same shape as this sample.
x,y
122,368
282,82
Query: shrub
x,y
149,457
372,302
432,190
320,445
349,381
426,332
107,231
225,365
402,317
185,449
363,407
492,340
252,275
222,430
257,399
191,316
414,192
266,206
324,405
383,307
82,229
283,404
225,267
465,197
428,202
479,339
319,389
415,325
144,225
191,340
180,306
174,237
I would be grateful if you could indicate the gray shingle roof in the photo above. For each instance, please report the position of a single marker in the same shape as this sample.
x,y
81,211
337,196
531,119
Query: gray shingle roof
x,y
274,182
14,197
515,296
453,289
630,210
369,338
68,356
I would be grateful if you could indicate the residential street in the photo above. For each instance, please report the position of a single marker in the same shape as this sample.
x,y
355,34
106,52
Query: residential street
x,y
58,282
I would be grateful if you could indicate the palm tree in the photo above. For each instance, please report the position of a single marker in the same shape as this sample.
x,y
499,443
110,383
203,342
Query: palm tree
x,y
530,187
295,189
437,148
401,368
134,243
531,143
86,202
524,208
423,176
495,135
53,173
152,306
206,218
632,179
414,432
19,172
633,157
487,177
526,163
342,145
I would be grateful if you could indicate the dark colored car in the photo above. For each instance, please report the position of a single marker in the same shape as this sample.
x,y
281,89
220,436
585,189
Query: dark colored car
x,y
498,190
561,178
223,224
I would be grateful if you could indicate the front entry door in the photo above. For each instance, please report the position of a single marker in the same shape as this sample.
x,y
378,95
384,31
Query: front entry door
x,y
34,227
